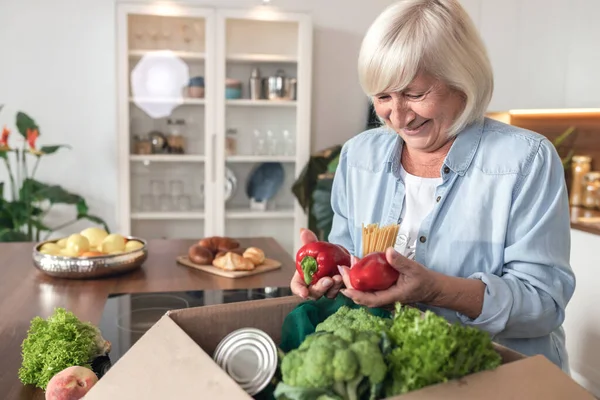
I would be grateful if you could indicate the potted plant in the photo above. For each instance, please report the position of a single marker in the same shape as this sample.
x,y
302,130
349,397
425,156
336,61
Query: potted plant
x,y
25,201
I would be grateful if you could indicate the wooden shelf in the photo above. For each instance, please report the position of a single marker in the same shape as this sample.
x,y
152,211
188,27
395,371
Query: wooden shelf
x,y
167,158
184,55
188,101
245,213
261,58
252,159
261,103
188,215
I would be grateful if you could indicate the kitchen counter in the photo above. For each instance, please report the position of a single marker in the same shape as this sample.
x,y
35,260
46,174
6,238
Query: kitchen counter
x,y
25,293
585,220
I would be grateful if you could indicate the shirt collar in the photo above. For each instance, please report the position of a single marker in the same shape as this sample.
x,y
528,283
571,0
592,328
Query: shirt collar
x,y
459,157
465,146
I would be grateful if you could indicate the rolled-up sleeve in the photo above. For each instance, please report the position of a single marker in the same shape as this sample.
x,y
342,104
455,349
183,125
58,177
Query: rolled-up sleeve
x,y
529,298
341,233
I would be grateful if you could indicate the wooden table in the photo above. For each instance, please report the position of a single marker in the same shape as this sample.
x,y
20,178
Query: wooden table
x,y
25,293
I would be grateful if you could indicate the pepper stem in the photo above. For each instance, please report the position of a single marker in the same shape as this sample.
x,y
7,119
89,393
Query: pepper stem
x,y
309,268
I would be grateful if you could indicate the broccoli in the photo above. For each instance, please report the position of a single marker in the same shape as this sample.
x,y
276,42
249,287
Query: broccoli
x,y
428,350
340,368
357,319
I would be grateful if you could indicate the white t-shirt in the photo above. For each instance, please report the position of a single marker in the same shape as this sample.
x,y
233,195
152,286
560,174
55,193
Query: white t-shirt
x,y
418,202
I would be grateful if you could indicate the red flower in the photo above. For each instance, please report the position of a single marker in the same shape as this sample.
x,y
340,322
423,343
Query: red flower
x,y
32,135
4,138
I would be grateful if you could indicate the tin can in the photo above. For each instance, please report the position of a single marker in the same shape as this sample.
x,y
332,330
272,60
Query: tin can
x,y
249,356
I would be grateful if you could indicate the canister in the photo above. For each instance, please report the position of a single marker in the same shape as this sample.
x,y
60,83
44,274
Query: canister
x,y
249,356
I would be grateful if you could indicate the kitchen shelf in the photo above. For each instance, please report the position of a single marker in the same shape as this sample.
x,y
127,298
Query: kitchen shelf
x,y
167,215
165,100
167,158
184,55
252,159
251,214
261,58
261,103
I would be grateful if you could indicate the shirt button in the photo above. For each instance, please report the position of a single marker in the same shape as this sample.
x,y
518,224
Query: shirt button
x,y
446,170
438,199
422,239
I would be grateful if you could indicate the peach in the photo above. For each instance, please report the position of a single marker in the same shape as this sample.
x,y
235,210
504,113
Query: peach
x,y
71,383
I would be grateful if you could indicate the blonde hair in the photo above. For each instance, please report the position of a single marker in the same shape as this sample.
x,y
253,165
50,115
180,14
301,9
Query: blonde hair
x,y
432,36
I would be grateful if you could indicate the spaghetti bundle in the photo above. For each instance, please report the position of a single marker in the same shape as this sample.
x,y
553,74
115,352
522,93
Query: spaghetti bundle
x,y
375,238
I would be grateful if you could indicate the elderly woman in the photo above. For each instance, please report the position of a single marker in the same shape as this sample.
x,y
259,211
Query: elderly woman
x,y
482,206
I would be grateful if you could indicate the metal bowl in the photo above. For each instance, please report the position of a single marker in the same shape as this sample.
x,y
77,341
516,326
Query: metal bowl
x,y
90,267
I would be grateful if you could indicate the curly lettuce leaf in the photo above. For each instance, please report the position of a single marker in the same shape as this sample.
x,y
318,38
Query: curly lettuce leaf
x,y
59,342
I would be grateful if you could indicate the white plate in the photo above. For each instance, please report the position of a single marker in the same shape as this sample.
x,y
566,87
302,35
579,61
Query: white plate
x,y
230,183
157,83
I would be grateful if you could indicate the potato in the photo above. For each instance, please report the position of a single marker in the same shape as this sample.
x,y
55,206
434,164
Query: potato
x,y
133,245
62,243
51,249
94,235
113,242
77,243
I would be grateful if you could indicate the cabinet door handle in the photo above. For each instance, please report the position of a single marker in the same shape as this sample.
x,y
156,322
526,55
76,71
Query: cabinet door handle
x,y
214,151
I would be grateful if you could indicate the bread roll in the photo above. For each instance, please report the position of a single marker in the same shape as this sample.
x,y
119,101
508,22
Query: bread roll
x,y
254,254
200,255
233,262
226,244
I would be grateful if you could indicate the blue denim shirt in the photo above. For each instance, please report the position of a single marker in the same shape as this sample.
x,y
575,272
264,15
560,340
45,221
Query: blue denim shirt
x,y
501,216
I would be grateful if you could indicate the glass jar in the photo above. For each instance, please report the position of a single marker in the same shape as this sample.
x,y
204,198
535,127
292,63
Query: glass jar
x,y
580,166
231,142
176,139
591,185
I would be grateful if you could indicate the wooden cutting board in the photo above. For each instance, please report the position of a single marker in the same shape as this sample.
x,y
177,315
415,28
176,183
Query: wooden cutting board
x,y
268,265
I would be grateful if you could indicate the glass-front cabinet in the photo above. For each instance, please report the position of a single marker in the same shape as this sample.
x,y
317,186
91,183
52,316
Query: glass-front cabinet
x,y
214,121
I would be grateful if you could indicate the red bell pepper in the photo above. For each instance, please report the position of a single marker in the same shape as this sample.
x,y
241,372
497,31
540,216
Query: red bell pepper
x,y
319,259
373,273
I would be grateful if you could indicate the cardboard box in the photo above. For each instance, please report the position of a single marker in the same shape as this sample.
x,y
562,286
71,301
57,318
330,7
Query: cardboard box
x,y
173,360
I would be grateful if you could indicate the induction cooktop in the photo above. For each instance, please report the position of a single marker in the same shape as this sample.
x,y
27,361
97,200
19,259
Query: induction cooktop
x,y
126,317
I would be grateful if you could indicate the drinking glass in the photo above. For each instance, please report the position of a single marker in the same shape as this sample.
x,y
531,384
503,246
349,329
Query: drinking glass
x,y
147,202
182,202
176,187
272,144
165,202
258,144
289,149
157,188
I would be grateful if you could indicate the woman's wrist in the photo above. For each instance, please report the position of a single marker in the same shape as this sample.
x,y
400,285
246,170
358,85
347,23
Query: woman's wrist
x,y
462,295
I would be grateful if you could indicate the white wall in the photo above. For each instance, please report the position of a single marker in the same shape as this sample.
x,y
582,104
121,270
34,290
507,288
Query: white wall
x,y
58,65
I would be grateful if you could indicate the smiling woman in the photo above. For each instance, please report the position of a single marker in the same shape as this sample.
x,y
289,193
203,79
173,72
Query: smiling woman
x,y
484,236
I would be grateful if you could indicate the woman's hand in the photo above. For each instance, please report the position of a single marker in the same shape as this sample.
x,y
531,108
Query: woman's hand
x,y
416,284
324,287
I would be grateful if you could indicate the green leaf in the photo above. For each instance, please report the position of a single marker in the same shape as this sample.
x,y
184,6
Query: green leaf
x,y
288,392
4,154
1,191
53,149
563,136
25,122
82,207
33,190
9,235
94,219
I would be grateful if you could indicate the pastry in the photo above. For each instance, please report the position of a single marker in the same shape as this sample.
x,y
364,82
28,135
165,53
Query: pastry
x,y
207,243
254,254
239,250
218,244
233,262
225,244
200,255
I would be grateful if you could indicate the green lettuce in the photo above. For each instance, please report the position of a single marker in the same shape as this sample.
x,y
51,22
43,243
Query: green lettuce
x,y
56,343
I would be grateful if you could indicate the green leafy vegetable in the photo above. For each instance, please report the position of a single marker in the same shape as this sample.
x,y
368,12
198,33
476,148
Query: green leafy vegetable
x,y
427,350
59,342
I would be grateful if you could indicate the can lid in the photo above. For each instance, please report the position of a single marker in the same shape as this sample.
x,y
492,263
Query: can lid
x,y
249,356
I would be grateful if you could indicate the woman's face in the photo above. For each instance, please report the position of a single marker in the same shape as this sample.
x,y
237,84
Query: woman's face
x,y
422,114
